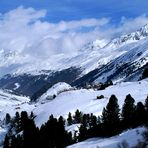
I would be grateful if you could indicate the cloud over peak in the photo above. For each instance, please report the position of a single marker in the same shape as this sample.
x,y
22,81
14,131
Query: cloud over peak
x,y
25,30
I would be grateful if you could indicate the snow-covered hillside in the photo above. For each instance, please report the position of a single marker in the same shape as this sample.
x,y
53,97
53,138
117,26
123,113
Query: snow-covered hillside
x,y
86,100
68,101
54,91
10,103
131,137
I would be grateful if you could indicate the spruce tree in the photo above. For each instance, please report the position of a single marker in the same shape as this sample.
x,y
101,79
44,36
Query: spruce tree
x,y
111,117
78,116
82,133
17,122
6,142
93,121
7,119
69,119
146,109
128,112
145,73
140,114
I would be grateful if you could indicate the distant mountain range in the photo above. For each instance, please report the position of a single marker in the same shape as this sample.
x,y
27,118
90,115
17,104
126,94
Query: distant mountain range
x,y
122,59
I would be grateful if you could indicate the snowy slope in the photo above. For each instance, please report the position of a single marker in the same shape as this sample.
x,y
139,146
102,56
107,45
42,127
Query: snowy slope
x,y
54,91
82,99
130,136
68,101
85,100
10,103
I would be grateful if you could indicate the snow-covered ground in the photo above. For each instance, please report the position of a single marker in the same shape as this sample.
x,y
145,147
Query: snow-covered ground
x,y
130,136
54,91
70,100
86,100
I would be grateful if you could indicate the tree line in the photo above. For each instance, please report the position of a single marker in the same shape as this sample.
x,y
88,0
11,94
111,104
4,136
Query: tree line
x,y
113,119
23,133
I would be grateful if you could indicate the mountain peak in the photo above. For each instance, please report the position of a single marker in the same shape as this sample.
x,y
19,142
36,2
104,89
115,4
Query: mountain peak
x,y
130,38
144,30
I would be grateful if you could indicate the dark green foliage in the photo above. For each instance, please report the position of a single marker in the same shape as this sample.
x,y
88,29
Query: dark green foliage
x,y
128,112
69,119
6,142
7,119
140,114
146,105
93,121
111,116
78,116
16,142
32,116
17,122
145,73
83,133
52,134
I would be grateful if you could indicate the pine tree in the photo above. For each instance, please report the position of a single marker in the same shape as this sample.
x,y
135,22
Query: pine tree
x,y
69,119
128,112
82,133
145,73
7,119
6,142
93,121
32,116
111,117
78,116
146,106
140,114
17,122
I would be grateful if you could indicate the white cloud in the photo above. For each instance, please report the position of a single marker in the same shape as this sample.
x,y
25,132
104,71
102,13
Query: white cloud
x,y
23,30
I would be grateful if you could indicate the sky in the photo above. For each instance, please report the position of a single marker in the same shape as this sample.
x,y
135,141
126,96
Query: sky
x,y
48,27
58,10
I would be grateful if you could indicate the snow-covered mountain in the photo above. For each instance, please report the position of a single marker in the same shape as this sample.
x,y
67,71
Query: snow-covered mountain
x,y
121,59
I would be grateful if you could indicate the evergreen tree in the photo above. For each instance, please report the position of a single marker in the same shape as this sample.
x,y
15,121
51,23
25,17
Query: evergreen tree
x,y
128,112
82,133
85,120
111,117
78,116
145,73
93,126
69,119
146,109
61,133
140,114
7,119
17,122
93,121
6,142
32,116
